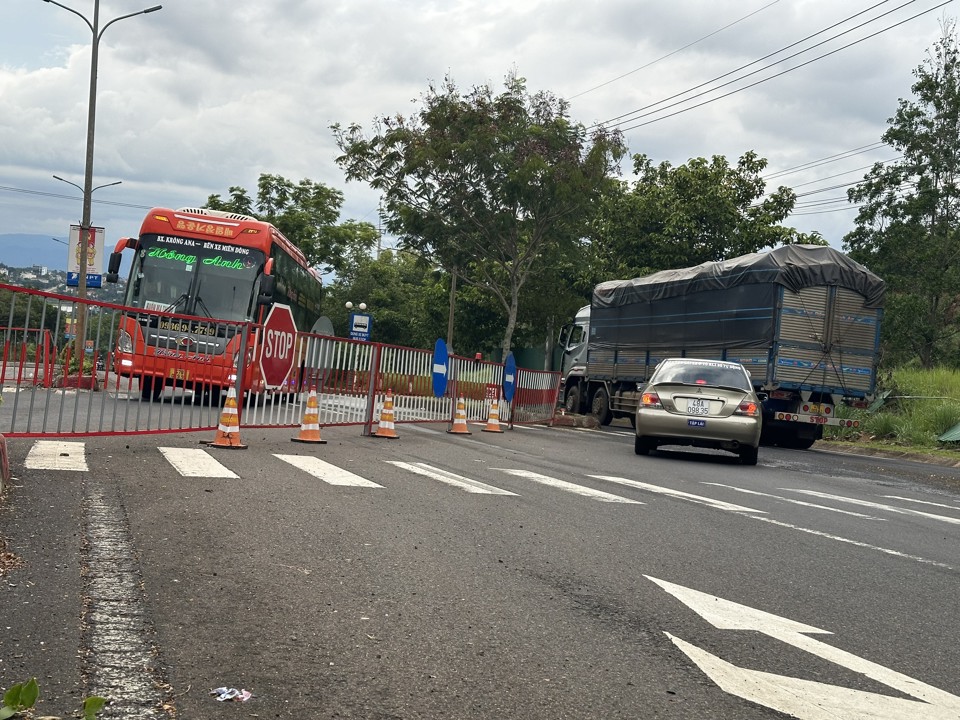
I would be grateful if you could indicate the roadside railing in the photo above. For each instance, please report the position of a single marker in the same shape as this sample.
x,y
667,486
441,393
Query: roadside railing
x,y
54,385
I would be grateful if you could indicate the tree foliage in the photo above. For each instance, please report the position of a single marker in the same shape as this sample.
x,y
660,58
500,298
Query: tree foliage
x,y
907,221
306,213
704,210
485,186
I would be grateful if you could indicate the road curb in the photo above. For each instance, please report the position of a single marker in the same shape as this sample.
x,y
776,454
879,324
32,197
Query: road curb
x,y
850,449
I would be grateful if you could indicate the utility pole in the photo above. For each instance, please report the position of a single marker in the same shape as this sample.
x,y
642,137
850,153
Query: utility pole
x,y
97,33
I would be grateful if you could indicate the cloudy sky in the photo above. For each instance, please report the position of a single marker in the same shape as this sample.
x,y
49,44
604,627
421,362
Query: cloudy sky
x,y
206,94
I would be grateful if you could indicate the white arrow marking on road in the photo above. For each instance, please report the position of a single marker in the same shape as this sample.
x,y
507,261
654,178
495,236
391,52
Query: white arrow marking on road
x,y
719,504
819,701
807,699
569,486
471,486
879,506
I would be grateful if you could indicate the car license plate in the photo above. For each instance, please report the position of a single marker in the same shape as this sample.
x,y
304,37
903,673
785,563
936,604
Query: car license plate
x,y
698,406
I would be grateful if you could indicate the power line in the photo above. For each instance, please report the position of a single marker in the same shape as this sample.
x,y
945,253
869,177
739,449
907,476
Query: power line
x,y
623,117
784,72
60,196
826,160
671,54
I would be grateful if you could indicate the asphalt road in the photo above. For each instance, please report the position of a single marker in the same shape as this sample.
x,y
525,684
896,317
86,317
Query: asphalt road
x,y
537,573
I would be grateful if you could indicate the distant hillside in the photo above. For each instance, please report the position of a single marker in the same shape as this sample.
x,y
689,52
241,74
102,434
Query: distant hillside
x,y
25,250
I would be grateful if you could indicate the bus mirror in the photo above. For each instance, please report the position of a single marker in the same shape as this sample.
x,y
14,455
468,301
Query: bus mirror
x,y
113,268
267,283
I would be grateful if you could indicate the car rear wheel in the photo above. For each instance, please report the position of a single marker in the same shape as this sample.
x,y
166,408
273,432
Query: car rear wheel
x,y
643,445
748,456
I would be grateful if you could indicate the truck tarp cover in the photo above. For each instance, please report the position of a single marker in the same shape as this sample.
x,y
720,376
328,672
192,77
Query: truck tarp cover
x,y
793,266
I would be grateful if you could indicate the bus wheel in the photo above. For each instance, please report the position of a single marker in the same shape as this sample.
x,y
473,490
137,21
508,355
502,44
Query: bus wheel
x,y
150,389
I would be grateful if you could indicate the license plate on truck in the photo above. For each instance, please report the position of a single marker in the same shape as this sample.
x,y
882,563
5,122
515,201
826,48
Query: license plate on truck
x,y
698,406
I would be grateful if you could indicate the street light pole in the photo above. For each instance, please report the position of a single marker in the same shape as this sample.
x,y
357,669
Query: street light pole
x,y
97,33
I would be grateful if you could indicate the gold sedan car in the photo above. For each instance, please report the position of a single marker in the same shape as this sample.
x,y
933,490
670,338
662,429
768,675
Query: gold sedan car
x,y
700,403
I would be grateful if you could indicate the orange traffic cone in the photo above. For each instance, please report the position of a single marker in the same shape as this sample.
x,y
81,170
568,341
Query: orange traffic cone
x,y
493,421
310,427
460,419
385,429
228,431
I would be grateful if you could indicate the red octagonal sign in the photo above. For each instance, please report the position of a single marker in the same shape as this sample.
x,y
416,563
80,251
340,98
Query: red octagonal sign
x,y
277,345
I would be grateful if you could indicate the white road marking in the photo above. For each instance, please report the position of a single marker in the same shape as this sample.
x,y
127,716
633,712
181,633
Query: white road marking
x,y
801,698
838,538
471,486
569,487
922,502
330,474
719,504
795,502
806,699
879,506
57,455
192,462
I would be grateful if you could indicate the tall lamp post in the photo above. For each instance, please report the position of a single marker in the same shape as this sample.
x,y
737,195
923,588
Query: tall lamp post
x,y
97,33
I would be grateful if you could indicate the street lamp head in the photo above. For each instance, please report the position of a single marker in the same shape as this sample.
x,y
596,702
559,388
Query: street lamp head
x,y
148,10
348,305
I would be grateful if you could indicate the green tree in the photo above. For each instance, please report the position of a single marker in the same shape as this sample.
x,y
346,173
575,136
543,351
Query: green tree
x,y
307,213
484,185
403,293
704,210
907,221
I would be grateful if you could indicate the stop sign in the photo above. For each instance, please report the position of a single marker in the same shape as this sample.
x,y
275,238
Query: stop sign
x,y
277,345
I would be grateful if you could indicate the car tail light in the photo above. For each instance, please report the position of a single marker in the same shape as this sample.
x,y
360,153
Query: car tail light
x,y
651,400
747,407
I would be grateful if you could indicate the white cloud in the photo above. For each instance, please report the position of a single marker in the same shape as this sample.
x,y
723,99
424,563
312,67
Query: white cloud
x,y
207,94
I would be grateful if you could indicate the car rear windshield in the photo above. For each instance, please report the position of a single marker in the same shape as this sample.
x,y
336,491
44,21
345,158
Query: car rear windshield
x,y
702,374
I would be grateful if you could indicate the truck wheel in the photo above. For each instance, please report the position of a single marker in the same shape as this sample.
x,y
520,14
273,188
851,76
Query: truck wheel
x,y
797,443
748,456
571,403
601,407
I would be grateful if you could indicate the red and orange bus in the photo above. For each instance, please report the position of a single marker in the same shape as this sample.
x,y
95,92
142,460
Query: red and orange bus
x,y
198,278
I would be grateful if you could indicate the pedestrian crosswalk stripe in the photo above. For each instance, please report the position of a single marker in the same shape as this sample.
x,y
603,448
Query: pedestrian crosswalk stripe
x,y
57,455
330,474
470,486
569,487
193,462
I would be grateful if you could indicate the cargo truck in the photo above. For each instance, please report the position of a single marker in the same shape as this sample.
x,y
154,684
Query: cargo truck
x,y
804,320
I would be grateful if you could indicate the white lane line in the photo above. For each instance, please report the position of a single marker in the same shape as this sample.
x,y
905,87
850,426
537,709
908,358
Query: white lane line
x,y
700,499
471,486
330,474
57,455
796,502
878,506
569,487
192,462
922,502
838,538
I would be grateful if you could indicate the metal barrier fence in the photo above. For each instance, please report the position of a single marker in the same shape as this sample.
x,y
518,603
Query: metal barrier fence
x,y
139,371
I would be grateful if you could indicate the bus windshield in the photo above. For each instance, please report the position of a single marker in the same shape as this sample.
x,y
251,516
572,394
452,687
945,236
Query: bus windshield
x,y
195,277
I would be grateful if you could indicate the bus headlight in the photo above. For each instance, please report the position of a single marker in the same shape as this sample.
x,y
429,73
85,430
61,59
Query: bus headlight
x,y
124,342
